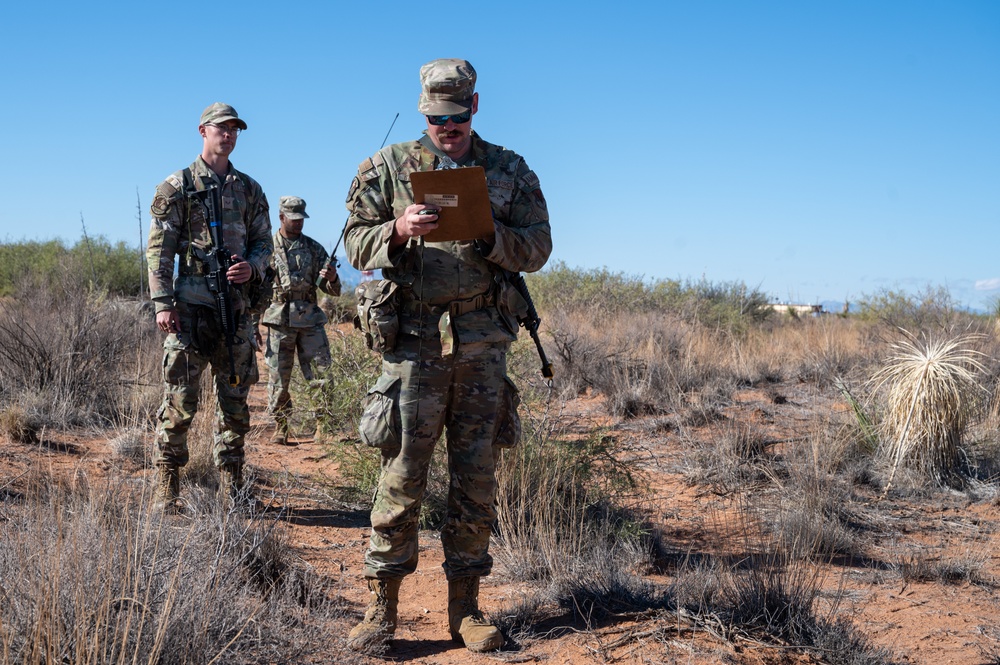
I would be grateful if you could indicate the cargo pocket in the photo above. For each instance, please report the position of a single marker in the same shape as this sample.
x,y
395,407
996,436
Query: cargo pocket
x,y
381,426
507,432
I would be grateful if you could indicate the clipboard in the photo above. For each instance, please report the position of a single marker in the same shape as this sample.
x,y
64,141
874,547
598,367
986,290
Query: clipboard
x,y
464,201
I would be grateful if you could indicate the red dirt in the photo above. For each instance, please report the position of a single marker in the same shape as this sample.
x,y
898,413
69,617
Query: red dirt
x,y
933,622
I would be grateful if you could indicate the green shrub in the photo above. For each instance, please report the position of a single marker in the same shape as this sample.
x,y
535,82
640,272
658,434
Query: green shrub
x,y
728,306
116,268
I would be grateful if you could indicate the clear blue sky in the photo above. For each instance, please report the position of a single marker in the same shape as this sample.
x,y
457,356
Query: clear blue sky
x,y
816,150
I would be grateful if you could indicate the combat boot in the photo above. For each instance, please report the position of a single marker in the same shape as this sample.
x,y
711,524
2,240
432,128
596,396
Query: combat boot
x,y
231,491
466,621
168,488
280,436
379,625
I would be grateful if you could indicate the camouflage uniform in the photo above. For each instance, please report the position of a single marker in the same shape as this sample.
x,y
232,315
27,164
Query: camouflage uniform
x,y
294,321
448,366
179,229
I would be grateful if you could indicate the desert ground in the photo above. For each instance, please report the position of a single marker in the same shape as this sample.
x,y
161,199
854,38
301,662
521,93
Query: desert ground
x,y
754,490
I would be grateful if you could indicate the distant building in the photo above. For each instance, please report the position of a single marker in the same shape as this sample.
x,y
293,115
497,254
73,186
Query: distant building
x,y
797,310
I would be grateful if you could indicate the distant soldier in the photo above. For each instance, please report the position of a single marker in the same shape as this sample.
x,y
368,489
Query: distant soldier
x,y
444,322
188,305
294,320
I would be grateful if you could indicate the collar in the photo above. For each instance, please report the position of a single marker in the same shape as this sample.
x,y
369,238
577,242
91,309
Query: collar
x,y
203,172
474,156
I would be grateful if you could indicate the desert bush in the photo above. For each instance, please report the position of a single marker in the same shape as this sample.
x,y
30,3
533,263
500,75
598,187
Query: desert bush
x,y
932,391
100,265
89,356
729,459
932,308
333,399
17,424
727,306
342,308
767,594
970,567
561,506
644,364
90,576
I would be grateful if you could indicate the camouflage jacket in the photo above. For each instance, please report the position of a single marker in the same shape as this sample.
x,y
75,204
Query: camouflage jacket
x,y
179,229
439,273
296,266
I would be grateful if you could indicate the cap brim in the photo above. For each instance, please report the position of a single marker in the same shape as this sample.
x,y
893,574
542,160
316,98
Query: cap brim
x,y
295,215
442,107
227,118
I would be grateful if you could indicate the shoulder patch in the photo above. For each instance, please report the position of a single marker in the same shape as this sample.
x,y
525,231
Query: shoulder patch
x,y
369,169
174,181
530,180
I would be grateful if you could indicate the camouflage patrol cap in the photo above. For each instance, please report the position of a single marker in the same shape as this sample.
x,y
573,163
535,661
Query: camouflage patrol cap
x,y
447,85
293,207
219,113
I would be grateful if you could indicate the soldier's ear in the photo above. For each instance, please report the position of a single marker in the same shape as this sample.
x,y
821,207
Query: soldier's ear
x,y
201,130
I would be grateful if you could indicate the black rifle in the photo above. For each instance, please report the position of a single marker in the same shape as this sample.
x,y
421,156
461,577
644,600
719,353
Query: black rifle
x,y
219,261
531,320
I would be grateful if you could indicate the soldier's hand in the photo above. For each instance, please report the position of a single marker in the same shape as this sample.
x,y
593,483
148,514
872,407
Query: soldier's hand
x,y
240,271
413,224
168,321
329,273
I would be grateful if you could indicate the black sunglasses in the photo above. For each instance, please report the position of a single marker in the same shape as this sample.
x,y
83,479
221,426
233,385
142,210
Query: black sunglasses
x,y
459,119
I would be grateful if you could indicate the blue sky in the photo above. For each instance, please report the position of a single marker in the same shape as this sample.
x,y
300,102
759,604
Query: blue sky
x,y
815,150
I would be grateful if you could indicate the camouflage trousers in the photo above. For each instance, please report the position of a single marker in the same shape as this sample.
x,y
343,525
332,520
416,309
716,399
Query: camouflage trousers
x,y
185,356
457,394
283,345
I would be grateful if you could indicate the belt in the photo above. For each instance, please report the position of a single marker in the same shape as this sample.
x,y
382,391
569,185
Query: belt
x,y
291,297
191,269
455,307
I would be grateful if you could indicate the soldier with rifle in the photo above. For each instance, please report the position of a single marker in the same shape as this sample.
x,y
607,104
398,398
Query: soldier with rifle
x,y
444,318
214,222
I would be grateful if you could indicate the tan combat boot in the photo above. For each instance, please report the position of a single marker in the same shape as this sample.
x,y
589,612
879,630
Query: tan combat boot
x,y
231,484
168,488
466,621
379,624
280,436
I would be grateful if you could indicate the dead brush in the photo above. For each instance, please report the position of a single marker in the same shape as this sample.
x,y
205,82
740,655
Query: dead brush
x,y
18,425
932,391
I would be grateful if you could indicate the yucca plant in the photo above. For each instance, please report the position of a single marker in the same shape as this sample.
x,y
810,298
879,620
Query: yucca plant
x,y
933,390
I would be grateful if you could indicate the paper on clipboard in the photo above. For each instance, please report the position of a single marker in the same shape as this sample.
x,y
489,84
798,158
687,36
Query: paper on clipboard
x,y
464,201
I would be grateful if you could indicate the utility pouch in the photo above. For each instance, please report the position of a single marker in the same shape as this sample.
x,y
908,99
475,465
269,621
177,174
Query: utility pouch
x,y
381,426
378,313
507,430
260,294
511,305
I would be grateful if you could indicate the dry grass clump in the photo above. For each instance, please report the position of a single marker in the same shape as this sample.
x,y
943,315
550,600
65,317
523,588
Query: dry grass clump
x,y
18,425
643,364
89,355
932,391
561,504
130,443
731,458
971,566
90,576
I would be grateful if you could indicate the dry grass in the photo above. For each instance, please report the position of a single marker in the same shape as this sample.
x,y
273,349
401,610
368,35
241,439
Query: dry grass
x,y
91,576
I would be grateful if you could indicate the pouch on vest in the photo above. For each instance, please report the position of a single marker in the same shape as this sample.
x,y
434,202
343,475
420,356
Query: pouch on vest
x,y
507,430
378,313
259,294
381,425
511,305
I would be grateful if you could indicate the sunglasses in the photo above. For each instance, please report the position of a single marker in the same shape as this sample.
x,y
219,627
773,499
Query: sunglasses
x,y
459,119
